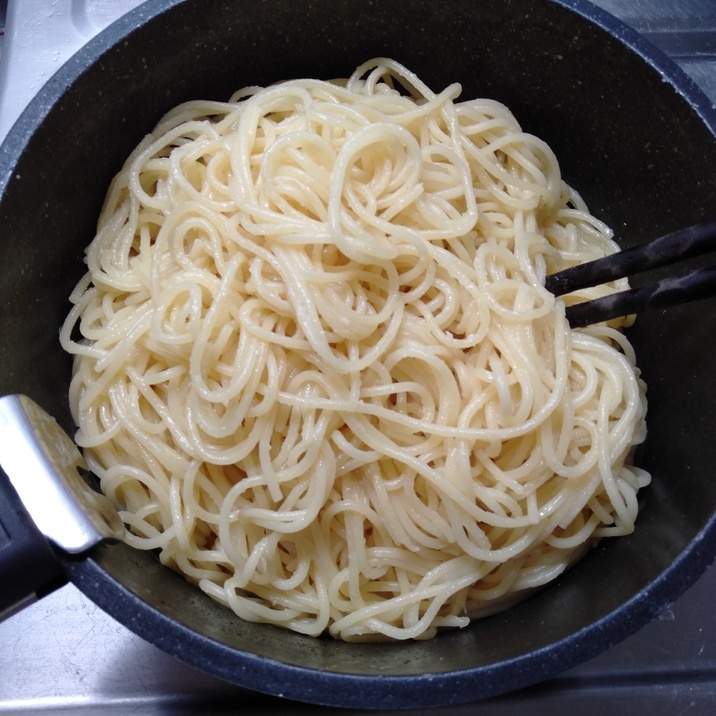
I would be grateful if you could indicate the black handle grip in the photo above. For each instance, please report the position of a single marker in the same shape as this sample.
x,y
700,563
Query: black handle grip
x,y
29,567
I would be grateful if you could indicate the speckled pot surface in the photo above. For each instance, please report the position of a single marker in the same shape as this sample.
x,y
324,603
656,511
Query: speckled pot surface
x,y
633,134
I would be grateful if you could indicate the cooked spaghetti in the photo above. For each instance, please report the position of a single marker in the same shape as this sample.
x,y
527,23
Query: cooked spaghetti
x,y
317,368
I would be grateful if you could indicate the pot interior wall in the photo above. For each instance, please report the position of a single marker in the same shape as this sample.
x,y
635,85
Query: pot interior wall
x,y
626,139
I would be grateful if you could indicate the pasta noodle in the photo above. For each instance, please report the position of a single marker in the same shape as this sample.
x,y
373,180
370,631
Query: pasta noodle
x,y
316,367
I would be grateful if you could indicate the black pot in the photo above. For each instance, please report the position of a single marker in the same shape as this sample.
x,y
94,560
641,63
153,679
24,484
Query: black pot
x,y
634,136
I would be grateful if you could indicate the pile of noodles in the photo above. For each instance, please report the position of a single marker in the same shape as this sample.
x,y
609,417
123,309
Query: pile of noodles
x,y
317,369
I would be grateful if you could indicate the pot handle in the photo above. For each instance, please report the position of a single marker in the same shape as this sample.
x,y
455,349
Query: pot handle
x,y
29,567
46,507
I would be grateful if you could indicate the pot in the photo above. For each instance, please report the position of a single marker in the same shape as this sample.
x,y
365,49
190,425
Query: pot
x,y
633,135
